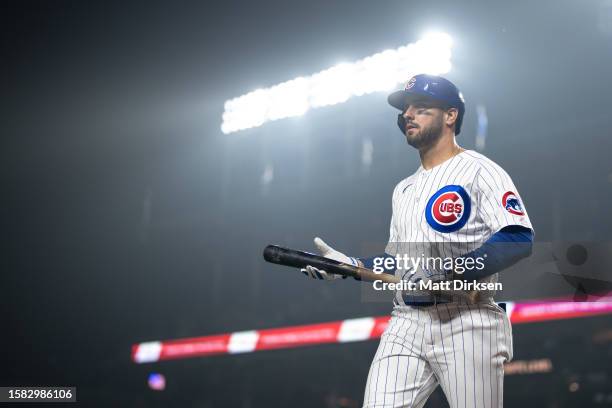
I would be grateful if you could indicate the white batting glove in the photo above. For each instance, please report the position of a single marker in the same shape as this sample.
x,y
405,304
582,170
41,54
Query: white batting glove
x,y
331,253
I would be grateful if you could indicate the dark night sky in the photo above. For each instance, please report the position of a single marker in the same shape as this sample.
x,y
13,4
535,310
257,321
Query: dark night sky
x,y
110,105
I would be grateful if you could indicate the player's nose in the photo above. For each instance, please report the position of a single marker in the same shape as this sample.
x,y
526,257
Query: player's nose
x,y
408,113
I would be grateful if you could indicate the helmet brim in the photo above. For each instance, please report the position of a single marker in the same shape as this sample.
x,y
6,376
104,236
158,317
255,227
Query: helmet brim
x,y
401,99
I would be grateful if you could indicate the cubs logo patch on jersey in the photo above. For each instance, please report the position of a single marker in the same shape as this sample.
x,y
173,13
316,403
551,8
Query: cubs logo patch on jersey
x,y
512,204
448,209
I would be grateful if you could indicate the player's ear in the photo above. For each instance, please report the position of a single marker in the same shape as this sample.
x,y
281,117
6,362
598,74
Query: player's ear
x,y
451,116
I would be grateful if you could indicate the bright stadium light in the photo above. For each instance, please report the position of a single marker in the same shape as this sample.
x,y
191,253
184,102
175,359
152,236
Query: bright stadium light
x,y
376,73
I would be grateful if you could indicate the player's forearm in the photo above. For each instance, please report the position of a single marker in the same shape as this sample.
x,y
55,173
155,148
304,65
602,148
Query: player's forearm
x,y
502,250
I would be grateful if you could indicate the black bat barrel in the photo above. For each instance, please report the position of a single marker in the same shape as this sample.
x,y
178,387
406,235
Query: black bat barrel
x,y
300,259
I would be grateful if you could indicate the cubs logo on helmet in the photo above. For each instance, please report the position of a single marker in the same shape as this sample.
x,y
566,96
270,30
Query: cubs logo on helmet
x,y
411,83
448,209
512,204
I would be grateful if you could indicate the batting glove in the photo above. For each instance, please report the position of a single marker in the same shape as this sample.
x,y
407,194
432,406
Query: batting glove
x,y
331,253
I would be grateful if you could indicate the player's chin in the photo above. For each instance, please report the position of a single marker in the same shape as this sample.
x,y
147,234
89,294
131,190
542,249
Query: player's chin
x,y
413,138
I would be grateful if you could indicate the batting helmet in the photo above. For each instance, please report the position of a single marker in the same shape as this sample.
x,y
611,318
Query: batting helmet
x,y
432,87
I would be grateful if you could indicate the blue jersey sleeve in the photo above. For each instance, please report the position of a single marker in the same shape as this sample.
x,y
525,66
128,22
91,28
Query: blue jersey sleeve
x,y
505,248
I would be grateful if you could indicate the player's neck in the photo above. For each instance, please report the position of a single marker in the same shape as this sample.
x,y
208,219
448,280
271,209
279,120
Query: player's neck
x,y
445,148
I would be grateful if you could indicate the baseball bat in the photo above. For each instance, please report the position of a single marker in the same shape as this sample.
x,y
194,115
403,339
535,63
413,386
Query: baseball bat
x,y
300,259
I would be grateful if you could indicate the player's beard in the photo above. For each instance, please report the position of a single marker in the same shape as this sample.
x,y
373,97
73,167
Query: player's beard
x,y
426,136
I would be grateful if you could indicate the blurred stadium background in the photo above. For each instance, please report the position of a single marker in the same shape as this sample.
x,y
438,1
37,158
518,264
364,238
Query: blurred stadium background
x,y
129,216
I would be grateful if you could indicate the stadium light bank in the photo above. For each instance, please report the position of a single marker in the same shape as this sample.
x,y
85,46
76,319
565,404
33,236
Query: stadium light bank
x,y
376,73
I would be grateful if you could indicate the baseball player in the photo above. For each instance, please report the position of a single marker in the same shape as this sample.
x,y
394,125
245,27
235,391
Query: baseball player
x,y
457,205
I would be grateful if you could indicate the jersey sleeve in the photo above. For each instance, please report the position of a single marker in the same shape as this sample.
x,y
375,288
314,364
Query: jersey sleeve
x,y
499,203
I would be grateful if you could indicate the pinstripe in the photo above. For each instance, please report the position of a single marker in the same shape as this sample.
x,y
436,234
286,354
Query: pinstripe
x,y
407,361
454,355
432,342
398,362
464,372
421,353
473,353
494,361
444,352
380,361
377,358
396,372
490,359
387,374
482,355
405,387
382,345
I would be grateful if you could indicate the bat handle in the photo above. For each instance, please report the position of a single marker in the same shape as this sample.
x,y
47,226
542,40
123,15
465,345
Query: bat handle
x,y
368,275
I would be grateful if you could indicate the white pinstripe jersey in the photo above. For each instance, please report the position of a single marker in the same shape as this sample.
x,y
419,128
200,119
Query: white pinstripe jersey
x,y
452,209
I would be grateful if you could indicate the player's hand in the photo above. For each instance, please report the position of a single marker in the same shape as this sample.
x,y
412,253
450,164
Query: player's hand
x,y
331,253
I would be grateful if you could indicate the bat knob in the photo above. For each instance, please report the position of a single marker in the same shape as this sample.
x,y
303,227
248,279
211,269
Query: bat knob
x,y
271,253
